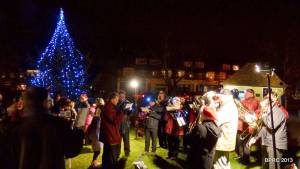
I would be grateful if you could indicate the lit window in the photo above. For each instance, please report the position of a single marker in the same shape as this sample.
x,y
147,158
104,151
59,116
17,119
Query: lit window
x,y
154,73
169,73
188,64
199,65
235,67
210,75
226,67
163,72
180,73
222,75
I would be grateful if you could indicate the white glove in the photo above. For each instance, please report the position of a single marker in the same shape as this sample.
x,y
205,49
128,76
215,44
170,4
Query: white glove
x,y
251,142
264,114
250,118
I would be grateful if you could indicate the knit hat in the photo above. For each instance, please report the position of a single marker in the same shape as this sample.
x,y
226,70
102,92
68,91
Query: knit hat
x,y
210,113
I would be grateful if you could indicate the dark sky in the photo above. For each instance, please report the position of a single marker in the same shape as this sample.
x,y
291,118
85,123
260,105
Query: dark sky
x,y
109,32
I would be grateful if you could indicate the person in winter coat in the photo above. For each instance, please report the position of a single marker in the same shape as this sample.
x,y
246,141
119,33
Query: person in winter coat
x,y
93,132
227,120
82,111
162,100
281,140
173,129
99,106
203,139
252,104
110,133
38,140
151,126
89,117
125,125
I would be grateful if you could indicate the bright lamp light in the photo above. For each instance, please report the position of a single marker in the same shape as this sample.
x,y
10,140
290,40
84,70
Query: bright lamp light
x,y
134,83
257,68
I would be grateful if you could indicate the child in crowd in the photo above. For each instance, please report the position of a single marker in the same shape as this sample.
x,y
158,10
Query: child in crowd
x,y
93,132
90,115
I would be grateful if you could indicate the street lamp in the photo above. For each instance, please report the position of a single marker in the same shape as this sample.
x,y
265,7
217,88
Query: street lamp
x,y
269,73
134,84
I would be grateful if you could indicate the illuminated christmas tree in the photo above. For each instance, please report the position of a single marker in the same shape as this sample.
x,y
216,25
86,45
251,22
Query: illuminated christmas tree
x,y
61,65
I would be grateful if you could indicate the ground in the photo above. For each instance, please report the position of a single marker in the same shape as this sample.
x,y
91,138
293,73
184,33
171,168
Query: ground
x,y
83,160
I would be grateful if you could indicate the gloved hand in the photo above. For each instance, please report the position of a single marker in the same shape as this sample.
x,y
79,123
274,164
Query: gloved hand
x,y
251,142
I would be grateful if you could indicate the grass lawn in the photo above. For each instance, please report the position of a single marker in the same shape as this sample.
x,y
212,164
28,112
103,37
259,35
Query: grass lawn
x,y
83,160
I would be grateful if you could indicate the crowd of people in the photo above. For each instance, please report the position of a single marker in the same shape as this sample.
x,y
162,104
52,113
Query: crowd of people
x,y
37,132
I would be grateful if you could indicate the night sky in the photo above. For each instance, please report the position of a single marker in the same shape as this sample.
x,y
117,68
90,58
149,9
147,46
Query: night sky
x,y
108,32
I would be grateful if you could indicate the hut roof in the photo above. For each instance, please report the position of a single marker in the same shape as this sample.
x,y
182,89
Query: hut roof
x,y
247,76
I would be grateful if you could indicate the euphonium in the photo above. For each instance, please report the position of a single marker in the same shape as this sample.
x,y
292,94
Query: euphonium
x,y
248,117
242,111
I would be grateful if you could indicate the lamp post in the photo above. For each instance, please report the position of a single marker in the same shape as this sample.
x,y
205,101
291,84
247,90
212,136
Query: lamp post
x,y
134,84
269,73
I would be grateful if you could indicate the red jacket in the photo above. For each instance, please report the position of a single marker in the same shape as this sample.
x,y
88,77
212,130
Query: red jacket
x,y
172,127
251,104
110,124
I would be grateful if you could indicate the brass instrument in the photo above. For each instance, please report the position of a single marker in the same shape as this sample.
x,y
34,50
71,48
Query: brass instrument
x,y
197,121
256,125
242,114
242,110
197,104
259,121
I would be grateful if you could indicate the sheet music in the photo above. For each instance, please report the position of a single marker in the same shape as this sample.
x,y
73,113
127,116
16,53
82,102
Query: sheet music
x,y
129,106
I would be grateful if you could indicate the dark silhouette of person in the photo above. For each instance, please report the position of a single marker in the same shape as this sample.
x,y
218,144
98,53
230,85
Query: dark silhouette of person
x,y
38,140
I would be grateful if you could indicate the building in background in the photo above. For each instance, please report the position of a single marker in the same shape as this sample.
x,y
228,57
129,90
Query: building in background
x,y
193,76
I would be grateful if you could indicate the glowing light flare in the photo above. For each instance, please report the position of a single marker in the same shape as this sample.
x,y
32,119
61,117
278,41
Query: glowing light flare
x,y
134,83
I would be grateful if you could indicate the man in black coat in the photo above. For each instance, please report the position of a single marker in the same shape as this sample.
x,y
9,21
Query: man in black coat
x,y
162,101
125,125
203,140
37,140
151,126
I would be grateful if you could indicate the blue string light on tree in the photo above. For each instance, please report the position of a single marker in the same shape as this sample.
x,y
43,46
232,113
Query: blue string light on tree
x,y
61,65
